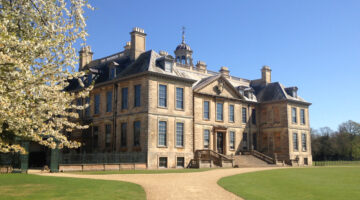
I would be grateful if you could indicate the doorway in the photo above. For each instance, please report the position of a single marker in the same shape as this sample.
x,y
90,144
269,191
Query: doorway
x,y
220,142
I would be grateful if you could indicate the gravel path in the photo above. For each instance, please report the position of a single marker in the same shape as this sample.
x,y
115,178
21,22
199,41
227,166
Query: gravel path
x,y
176,186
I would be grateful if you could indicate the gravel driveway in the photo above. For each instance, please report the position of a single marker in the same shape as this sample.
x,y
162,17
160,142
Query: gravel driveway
x,y
177,186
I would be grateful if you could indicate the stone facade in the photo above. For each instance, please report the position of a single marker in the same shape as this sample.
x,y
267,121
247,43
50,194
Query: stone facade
x,y
243,115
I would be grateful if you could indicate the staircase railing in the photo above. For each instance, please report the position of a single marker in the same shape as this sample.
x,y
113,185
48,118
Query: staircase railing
x,y
210,155
263,157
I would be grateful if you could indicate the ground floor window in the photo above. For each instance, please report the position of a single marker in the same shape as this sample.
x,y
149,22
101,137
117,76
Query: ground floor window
x,y
206,139
305,161
163,162
232,140
180,162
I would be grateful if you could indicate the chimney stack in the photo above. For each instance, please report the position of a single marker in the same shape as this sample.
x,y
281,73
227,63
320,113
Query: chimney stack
x,y
138,37
85,56
266,74
201,66
225,72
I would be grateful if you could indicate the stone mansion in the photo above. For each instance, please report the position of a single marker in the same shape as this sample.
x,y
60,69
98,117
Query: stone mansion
x,y
170,107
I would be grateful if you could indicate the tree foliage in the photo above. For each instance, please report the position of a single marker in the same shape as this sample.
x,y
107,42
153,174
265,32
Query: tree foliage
x,y
37,60
343,144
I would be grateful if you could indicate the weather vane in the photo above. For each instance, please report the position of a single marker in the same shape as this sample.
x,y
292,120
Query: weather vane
x,y
183,34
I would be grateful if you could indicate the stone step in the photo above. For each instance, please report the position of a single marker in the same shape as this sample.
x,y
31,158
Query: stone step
x,y
249,161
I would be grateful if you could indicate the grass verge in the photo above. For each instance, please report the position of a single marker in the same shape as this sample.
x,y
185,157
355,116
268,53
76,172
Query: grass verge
x,y
26,186
328,183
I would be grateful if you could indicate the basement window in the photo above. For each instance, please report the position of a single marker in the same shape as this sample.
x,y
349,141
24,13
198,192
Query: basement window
x,y
180,162
163,162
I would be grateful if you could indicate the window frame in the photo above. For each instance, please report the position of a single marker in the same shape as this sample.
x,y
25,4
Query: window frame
x,y
137,95
232,140
253,116
233,113
108,135
177,162
182,100
123,135
166,95
138,137
109,105
304,142
222,111
302,116
124,101
208,112
244,115
295,141
165,134
208,139
166,162
294,115
176,134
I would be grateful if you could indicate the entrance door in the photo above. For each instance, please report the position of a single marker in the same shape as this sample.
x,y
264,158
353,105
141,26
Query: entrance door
x,y
220,142
254,141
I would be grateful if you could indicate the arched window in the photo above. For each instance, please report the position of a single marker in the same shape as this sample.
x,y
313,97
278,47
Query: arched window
x,y
188,61
183,61
178,59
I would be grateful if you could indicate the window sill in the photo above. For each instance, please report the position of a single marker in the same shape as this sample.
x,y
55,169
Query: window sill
x,y
164,147
206,119
219,120
162,107
180,147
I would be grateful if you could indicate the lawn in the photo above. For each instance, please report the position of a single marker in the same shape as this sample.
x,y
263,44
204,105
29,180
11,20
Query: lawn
x,y
299,183
24,186
156,171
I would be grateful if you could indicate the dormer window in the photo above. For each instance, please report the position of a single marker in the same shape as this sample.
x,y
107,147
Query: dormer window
x,y
165,63
112,73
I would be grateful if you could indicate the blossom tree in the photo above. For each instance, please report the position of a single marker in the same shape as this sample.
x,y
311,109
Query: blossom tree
x,y
37,60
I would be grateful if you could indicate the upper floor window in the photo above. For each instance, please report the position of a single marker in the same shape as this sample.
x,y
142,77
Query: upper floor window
x,y
302,116
232,140
231,113
293,115
219,111
123,135
162,133
179,134
137,127
163,95
109,101
304,141
295,142
253,116
97,104
244,115
112,73
206,110
107,135
137,97
206,139
180,98
124,98
87,110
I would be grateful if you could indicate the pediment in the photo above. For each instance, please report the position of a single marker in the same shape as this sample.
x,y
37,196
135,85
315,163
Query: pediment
x,y
218,86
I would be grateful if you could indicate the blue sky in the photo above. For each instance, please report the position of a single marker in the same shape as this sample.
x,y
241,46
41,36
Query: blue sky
x,y
314,45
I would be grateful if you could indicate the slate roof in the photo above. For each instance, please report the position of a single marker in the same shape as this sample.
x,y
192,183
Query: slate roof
x,y
147,62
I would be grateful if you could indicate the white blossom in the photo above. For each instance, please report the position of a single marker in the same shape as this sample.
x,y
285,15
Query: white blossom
x,y
37,58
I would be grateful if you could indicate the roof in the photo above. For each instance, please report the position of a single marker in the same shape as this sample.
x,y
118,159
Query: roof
x,y
253,91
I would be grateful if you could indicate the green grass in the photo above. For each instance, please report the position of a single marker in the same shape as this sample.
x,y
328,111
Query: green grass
x,y
327,183
159,171
24,186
